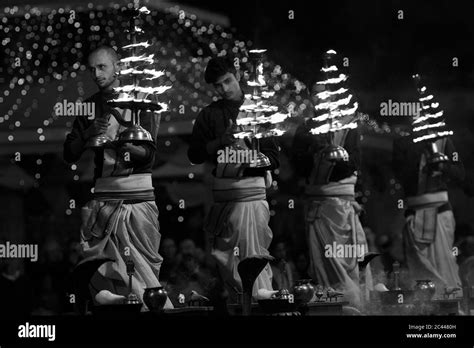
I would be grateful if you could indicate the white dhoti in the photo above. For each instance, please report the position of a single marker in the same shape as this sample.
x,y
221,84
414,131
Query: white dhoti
x,y
428,239
117,227
237,225
332,226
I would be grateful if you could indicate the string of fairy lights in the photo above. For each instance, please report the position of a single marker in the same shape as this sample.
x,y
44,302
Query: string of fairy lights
x,y
34,24
50,18
45,51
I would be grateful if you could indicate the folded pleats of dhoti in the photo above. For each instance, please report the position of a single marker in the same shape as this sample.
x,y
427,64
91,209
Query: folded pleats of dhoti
x,y
237,225
116,228
426,207
332,221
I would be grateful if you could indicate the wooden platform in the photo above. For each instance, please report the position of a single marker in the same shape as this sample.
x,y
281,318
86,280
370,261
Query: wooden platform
x,y
311,309
182,312
190,311
434,307
323,308
447,307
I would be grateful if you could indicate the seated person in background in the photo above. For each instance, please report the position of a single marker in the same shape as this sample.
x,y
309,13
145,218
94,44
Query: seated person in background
x,y
170,259
282,275
299,268
190,275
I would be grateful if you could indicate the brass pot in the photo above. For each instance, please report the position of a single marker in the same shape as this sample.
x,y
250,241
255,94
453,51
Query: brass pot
x,y
424,290
303,290
155,298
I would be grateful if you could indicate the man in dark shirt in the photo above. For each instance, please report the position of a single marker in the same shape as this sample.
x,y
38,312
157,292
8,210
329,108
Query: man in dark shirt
x,y
428,235
121,221
332,220
238,221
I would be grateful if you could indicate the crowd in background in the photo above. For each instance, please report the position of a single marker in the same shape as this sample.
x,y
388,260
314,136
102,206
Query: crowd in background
x,y
44,288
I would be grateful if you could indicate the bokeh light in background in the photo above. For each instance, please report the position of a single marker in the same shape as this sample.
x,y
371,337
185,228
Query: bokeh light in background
x,y
49,49
45,62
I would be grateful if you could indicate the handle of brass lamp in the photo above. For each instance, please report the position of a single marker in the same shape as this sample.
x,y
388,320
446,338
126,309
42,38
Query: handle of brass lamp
x,y
118,116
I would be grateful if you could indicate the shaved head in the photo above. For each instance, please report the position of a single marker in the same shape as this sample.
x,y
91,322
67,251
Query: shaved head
x,y
103,65
106,50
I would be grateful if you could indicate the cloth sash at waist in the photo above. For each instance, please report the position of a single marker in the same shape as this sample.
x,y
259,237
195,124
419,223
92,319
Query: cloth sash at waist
x,y
427,200
131,187
344,189
245,189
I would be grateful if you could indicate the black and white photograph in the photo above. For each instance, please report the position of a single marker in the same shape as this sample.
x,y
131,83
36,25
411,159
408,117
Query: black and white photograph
x,y
198,172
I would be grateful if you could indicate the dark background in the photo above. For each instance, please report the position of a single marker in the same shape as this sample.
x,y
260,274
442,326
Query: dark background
x,y
383,52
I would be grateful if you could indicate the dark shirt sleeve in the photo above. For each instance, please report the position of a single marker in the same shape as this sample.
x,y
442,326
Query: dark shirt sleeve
x,y
305,146
454,169
345,169
406,160
352,146
77,132
210,124
269,147
202,134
